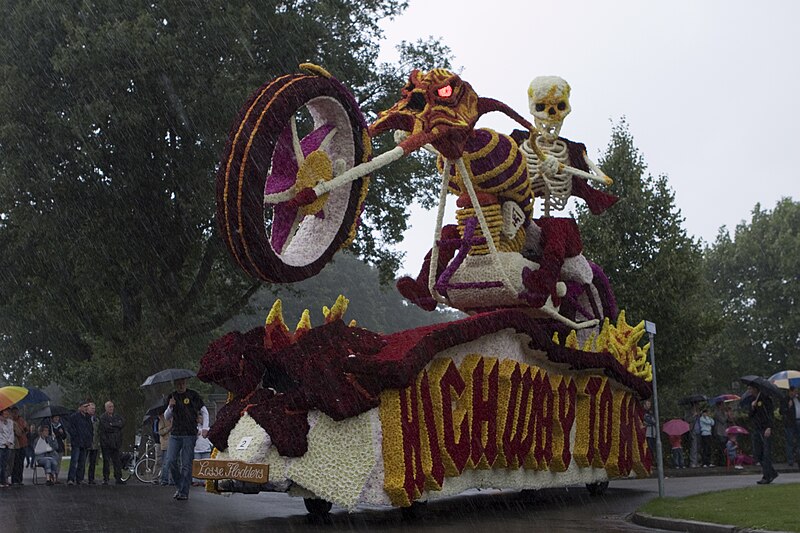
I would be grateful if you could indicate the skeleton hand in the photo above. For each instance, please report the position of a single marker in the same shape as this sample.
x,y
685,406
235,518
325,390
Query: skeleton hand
x,y
549,166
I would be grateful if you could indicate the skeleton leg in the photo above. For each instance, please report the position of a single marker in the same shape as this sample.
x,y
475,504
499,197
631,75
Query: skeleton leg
x,y
416,290
560,239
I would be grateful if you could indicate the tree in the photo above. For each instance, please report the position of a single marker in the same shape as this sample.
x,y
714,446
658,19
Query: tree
x,y
655,269
114,117
756,285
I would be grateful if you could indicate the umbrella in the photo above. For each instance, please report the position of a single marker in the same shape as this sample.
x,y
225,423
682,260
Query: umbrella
x,y
50,411
694,398
34,396
170,374
155,409
724,398
676,426
736,430
762,385
786,379
11,395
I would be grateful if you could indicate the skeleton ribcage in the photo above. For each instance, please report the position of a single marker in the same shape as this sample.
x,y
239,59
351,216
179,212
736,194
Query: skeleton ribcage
x,y
556,190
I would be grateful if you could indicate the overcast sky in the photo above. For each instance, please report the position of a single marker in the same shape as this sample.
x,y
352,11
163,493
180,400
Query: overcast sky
x,y
710,89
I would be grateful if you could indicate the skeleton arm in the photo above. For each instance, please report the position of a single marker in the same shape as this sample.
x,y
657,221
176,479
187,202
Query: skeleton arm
x,y
600,177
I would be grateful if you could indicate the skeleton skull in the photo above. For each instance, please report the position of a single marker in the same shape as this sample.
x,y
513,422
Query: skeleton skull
x,y
548,98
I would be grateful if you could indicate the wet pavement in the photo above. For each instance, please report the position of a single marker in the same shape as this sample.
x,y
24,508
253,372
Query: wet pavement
x,y
138,507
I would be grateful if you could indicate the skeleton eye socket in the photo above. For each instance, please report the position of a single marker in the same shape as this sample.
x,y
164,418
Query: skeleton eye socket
x,y
539,107
446,91
562,106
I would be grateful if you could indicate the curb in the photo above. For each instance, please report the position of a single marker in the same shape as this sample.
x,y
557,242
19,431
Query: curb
x,y
690,526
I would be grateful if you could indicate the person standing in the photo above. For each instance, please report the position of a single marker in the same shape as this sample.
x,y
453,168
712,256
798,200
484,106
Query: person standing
x,y
650,427
761,415
202,449
80,435
60,434
164,429
693,418
706,436
20,444
183,408
30,457
723,419
110,426
791,425
6,445
94,449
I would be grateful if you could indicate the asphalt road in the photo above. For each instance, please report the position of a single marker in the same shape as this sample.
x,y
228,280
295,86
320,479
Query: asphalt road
x,y
143,508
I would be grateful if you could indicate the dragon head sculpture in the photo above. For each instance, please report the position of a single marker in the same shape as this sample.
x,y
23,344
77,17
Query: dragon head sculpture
x,y
439,108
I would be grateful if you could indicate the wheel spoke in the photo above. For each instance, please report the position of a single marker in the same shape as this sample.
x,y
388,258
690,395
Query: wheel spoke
x,y
298,151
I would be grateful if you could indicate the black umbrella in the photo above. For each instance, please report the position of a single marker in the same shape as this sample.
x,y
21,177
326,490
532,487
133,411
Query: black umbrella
x,y
50,411
170,374
155,409
694,398
762,385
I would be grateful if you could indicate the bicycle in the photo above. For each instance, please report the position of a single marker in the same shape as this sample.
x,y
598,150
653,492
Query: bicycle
x,y
145,468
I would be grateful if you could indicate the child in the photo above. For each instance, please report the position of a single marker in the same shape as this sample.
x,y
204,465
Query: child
x,y
734,455
677,451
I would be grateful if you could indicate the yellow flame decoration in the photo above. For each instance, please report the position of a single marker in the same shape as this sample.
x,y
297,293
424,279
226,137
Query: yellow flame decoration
x,y
276,315
620,340
305,322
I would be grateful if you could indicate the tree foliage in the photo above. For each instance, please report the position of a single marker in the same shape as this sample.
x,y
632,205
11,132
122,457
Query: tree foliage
x,y
114,115
756,286
655,269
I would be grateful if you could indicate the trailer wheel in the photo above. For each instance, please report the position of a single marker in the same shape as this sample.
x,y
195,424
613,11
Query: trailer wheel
x,y
598,488
317,507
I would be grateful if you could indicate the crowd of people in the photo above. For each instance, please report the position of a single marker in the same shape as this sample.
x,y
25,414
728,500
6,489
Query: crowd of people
x,y
714,432
182,430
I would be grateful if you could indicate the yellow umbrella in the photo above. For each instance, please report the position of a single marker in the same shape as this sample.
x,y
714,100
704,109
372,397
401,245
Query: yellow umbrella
x,y
11,395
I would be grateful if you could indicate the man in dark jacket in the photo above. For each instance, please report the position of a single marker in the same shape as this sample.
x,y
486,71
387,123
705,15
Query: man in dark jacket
x,y
80,434
790,410
183,407
111,425
58,431
761,415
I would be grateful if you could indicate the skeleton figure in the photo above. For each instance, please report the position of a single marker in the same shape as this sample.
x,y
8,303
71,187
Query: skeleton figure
x,y
558,168
551,164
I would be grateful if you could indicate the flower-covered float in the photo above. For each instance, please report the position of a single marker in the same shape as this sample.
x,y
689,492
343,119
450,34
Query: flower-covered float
x,y
540,386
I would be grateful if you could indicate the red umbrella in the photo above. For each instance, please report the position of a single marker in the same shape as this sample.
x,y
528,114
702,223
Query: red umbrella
x,y
676,426
736,430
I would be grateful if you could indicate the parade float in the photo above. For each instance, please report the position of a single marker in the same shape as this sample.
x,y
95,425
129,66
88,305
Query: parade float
x,y
539,386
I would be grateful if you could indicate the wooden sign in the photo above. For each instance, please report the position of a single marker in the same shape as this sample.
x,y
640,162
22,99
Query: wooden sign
x,y
228,469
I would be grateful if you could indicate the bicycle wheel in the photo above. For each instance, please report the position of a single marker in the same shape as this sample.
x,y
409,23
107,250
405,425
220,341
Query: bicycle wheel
x,y
125,475
146,470
293,132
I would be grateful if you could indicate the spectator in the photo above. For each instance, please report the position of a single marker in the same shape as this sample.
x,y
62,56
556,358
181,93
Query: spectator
x,y
30,457
202,448
20,443
183,408
164,432
677,451
44,448
723,419
761,415
6,445
80,436
790,411
693,418
650,427
735,456
60,434
706,430
111,425
94,449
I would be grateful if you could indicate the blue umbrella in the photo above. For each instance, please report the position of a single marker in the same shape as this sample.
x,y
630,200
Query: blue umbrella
x,y
34,396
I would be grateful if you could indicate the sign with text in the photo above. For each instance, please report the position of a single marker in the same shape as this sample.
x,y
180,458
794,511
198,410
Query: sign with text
x,y
227,469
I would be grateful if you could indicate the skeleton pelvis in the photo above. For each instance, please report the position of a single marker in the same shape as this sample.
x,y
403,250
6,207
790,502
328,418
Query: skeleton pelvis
x,y
468,290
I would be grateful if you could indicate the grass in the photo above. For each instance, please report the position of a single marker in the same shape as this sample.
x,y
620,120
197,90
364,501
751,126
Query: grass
x,y
764,507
